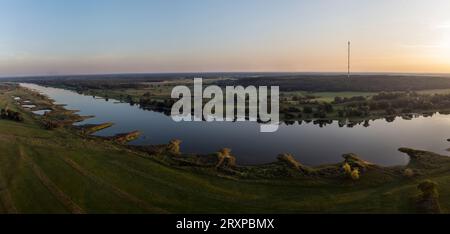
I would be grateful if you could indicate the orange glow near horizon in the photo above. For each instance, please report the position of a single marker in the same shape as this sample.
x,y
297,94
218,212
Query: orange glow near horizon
x,y
407,36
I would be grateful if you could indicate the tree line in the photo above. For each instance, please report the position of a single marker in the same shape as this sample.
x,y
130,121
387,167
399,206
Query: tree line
x,y
339,83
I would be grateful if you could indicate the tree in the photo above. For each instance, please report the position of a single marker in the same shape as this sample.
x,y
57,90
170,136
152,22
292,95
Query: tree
x,y
320,114
225,158
174,146
328,107
129,99
307,110
338,100
3,114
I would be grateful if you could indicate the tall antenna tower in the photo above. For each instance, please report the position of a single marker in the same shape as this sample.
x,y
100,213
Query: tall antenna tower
x,y
348,61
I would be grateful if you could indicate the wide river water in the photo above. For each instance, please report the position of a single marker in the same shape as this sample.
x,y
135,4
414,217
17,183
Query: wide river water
x,y
309,143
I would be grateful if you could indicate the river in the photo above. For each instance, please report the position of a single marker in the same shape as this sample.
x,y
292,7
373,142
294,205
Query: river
x,y
309,143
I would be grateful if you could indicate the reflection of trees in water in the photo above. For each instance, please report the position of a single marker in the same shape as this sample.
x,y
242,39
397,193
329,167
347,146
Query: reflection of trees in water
x,y
352,123
165,108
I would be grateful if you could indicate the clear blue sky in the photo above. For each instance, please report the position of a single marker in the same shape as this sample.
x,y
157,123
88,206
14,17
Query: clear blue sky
x,y
111,36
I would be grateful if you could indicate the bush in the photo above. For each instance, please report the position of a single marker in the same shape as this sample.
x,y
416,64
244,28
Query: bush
x,y
355,174
408,173
428,201
174,146
225,158
11,115
347,168
352,173
3,114
428,188
50,124
289,160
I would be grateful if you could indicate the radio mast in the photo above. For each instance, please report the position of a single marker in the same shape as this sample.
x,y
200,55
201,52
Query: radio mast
x,y
348,61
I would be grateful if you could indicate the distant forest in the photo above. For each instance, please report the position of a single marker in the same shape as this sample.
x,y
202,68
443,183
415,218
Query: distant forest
x,y
360,83
286,81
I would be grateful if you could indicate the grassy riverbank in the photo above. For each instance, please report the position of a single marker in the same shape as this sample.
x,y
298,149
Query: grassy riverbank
x,y
62,171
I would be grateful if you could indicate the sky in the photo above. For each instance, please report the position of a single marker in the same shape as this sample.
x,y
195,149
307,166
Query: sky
x,y
54,37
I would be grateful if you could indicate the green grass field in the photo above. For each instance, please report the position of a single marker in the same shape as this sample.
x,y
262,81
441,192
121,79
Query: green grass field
x,y
329,96
435,91
59,171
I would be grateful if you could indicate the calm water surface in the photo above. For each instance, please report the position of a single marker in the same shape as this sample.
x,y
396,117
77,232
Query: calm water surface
x,y
309,143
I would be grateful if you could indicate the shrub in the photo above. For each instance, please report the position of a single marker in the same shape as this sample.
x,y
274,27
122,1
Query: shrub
x,y
355,174
347,168
408,172
174,146
289,160
225,158
428,201
50,124
428,188
11,115
225,152
3,114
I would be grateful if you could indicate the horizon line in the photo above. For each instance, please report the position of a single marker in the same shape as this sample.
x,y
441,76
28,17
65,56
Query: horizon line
x,y
223,72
